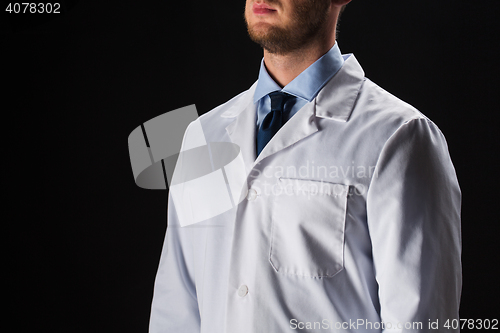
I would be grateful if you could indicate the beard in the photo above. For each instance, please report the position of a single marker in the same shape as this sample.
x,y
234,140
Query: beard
x,y
306,23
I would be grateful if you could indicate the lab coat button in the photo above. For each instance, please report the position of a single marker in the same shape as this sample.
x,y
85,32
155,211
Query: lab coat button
x,y
252,194
243,291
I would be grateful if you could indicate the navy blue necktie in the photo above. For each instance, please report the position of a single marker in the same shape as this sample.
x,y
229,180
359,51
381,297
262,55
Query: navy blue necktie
x,y
273,121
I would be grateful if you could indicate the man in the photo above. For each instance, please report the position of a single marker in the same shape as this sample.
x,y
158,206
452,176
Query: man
x,y
352,216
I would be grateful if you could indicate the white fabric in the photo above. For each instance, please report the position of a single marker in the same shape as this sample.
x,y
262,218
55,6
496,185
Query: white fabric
x,y
356,219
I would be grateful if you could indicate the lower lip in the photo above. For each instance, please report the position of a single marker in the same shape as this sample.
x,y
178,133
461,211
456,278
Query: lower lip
x,y
263,11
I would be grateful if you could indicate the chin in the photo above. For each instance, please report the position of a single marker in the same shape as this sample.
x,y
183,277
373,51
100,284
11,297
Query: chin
x,y
261,28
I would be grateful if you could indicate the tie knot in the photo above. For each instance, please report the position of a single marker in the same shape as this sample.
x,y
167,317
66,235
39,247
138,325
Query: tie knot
x,y
278,100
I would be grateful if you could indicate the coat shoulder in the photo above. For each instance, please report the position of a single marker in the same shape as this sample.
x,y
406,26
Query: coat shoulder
x,y
383,115
213,123
384,105
383,112
218,111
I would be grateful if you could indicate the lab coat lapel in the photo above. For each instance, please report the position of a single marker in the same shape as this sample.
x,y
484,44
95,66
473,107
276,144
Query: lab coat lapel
x,y
300,126
335,101
242,129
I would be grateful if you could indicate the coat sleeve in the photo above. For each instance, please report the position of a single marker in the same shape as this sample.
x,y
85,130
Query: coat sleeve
x,y
174,308
413,216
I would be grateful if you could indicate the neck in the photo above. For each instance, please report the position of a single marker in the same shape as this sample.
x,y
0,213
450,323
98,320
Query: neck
x,y
283,68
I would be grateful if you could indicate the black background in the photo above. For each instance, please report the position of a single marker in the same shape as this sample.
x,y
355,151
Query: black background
x,y
83,241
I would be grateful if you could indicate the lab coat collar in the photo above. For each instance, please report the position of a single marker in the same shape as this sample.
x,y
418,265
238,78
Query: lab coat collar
x,y
335,101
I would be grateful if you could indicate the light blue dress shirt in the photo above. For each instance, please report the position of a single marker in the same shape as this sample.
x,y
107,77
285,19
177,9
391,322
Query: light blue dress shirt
x,y
304,87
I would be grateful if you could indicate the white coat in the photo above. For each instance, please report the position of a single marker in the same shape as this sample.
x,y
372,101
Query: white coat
x,y
351,223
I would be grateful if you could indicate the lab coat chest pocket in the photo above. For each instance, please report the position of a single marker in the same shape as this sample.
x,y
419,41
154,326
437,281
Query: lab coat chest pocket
x,y
308,223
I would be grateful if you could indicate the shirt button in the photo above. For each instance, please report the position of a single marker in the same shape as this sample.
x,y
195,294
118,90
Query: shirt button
x,y
243,291
252,194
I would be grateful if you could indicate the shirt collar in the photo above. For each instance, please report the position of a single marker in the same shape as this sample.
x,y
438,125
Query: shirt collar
x,y
308,83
